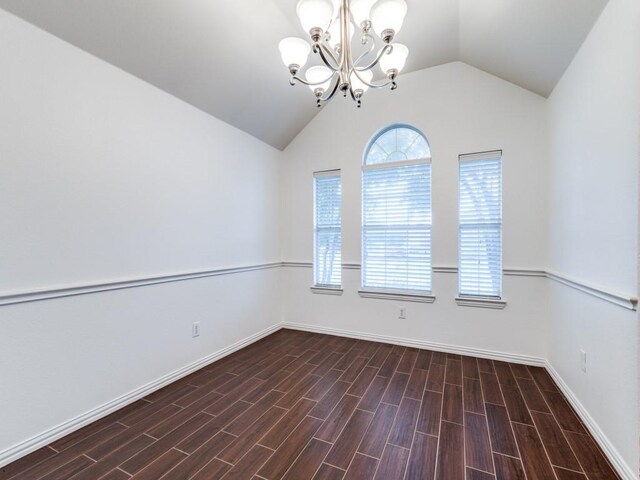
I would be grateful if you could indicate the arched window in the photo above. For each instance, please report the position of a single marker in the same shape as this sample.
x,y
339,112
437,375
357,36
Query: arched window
x,y
396,212
397,143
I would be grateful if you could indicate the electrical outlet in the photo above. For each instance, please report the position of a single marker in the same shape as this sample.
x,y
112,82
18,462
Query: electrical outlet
x,y
195,329
583,361
402,314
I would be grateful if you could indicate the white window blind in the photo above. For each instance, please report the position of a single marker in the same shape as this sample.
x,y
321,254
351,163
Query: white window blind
x,y
396,213
480,225
327,262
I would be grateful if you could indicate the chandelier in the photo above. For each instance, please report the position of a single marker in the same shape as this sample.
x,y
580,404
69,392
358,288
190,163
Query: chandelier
x,y
331,26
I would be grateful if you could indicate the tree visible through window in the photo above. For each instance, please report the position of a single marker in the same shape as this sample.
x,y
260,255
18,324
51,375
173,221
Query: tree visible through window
x,y
327,261
480,225
396,211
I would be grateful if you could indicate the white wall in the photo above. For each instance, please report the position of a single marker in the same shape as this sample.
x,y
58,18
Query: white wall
x,y
593,234
103,178
460,110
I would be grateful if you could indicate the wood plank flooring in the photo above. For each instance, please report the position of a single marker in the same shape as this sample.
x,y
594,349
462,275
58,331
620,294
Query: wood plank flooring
x,y
299,405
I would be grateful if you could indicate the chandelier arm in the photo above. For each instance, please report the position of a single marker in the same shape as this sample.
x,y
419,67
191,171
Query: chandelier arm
x,y
333,92
374,85
382,85
383,51
353,95
368,52
325,51
311,84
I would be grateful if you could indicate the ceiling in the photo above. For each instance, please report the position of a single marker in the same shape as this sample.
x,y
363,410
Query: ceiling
x,y
221,55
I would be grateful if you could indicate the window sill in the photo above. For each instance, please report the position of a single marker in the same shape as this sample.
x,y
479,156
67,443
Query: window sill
x,y
480,302
327,290
397,295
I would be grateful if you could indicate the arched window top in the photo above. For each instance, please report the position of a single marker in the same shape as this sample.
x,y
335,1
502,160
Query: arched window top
x,y
397,143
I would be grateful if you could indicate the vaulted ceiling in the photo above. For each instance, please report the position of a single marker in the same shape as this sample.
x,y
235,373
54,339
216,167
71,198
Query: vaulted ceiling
x,y
222,56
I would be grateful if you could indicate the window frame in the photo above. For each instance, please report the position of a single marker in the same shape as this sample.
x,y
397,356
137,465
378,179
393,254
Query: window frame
x,y
412,295
479,300
322,288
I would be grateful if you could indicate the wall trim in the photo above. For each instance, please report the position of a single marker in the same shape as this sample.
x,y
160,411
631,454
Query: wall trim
x,y
480,302
441,269
62,291
407,342
396,295
45,438
630,303
351,266
625,301
310,265
514,272
327,290
618,463
13,298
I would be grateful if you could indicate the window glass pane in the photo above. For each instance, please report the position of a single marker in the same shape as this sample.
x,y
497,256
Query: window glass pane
x,y
396,157
405,138
418,149
397,144
387,141
327,264
480,225
396,214
376,155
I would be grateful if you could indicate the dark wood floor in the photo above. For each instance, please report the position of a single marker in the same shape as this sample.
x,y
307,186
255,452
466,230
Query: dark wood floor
x,y
299,405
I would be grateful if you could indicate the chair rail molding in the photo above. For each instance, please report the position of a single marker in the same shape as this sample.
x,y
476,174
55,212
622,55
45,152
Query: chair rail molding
x,y
626,301
62,291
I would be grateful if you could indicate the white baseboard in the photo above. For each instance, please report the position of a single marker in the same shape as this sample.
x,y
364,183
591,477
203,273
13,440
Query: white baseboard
x,y
439,347
45,438
623,469
24,448
610,451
